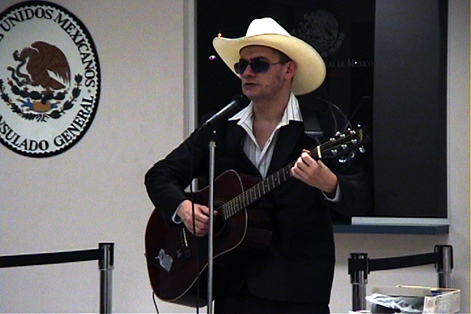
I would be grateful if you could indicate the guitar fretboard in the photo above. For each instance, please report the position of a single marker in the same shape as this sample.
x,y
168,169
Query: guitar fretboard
x,y
331,148
254,193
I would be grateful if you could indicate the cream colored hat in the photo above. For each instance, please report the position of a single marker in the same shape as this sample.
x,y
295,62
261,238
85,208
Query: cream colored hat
x,y
310,71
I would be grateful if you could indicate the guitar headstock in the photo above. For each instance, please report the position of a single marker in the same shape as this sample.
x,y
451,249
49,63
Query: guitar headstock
x,y
342,144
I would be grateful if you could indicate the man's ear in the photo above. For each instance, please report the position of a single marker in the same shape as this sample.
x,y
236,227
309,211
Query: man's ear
x,y
290,69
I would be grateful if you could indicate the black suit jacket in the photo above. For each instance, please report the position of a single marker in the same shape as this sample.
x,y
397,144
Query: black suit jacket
x,y
300,262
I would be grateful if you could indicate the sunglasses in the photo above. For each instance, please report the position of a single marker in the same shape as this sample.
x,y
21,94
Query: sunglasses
x,y
257,65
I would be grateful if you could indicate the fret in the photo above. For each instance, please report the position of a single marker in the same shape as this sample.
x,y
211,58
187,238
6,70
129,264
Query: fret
x,y
224,210
233,208
284,174
275,180
288,173
244,200
230,209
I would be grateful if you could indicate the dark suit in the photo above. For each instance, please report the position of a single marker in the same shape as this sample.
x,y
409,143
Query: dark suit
x,y
300,262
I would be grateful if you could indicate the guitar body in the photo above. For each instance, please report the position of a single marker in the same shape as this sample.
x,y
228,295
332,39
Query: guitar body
x,y
176,259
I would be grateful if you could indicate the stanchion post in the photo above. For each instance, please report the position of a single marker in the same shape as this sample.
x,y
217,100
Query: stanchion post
x,y
106,264
359,279
444,265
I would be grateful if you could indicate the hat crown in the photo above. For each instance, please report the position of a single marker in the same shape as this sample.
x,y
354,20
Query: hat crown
x,y
265,26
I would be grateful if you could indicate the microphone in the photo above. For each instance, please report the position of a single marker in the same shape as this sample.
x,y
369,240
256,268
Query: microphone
x,y
237,103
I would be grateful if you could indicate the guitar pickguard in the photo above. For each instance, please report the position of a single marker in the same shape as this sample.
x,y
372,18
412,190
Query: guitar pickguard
x,y
165,260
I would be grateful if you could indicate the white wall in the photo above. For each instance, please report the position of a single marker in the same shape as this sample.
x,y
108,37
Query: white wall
x,y
94,192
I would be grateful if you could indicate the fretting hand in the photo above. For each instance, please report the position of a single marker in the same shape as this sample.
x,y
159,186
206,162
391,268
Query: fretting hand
x,y
315,173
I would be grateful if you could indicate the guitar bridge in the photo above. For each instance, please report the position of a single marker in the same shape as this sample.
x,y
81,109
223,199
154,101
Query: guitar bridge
x,y
184,253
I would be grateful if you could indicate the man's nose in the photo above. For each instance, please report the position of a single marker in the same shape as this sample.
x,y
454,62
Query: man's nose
x,y
248,71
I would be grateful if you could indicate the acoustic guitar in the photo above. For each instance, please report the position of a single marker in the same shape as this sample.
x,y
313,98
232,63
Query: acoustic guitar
x,y
177,260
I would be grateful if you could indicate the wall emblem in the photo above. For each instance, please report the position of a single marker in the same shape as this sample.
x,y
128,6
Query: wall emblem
x,y
321,30
49,79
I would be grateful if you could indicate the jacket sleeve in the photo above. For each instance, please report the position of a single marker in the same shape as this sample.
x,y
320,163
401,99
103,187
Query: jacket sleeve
x,y
166,181
355,191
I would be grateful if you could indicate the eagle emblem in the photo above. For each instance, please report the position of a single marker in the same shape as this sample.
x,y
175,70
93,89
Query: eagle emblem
x,y
322,31
42,81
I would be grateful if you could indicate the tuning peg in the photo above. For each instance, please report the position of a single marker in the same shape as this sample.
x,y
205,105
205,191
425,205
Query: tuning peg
x,y
344,159
362,149
339,134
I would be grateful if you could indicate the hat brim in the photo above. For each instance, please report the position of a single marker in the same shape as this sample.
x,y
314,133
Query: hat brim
x,y
310,72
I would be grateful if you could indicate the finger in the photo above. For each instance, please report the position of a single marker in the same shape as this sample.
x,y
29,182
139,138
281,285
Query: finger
x,y
203,209
198,228
307,159
298,172
300,165
202,219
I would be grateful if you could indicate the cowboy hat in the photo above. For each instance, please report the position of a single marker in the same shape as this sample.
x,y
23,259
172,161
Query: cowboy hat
x,y
310,71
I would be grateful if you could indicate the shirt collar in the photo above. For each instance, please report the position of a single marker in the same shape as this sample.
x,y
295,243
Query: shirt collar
x,y
292,113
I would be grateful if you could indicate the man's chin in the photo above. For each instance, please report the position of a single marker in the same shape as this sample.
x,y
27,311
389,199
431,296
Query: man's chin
x,y
249,93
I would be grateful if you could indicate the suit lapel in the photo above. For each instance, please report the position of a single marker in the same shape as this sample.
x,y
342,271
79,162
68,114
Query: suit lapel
x,y
235,135
285,144
234,138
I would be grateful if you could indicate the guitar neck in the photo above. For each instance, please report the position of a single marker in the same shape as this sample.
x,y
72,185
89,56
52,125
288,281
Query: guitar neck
x,y
254,193
330,149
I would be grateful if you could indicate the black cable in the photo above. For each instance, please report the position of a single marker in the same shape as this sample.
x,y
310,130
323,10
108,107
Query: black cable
x,y
155,303
334,106
360,104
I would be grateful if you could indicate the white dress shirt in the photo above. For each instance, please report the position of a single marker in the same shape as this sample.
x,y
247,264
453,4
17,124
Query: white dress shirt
x,y
261,156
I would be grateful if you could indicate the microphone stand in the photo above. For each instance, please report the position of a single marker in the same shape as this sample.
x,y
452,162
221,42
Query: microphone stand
x,y
237,102
212,153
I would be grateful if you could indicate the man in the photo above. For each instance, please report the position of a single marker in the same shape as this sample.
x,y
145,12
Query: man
x,y
294,275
